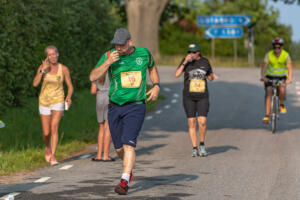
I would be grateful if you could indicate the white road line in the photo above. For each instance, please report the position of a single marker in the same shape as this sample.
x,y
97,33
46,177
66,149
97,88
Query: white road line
x,y
176,95
85,156
158,112
167,106
11,195
66,167
297,87
43,179
174,101
167,89
298,93
148,117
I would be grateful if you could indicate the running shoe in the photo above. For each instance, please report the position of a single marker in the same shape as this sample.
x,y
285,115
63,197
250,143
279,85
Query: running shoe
x,y
203,152
122,188
131,176
195,153
282,109
266,119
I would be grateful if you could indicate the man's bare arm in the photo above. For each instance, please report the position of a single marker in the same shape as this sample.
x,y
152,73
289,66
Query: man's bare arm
x,y
100,71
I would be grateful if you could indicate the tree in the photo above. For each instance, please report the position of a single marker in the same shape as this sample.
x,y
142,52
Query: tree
x,y
288,1
143,17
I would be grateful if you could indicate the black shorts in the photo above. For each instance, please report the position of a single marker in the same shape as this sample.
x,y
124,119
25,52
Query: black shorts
x,y
281,80
195,108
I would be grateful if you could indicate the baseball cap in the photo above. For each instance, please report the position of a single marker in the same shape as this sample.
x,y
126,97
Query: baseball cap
x,y
121,36
194,47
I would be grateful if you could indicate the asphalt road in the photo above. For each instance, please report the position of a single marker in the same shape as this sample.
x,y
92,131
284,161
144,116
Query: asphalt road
x,y
245,161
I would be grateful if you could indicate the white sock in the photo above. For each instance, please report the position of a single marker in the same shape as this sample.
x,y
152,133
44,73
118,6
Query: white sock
x,y
126,177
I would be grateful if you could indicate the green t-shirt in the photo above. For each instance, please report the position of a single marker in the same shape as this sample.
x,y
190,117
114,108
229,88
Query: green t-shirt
x,y
128,75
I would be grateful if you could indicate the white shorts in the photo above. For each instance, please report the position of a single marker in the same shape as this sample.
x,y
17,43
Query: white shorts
x,y
46,110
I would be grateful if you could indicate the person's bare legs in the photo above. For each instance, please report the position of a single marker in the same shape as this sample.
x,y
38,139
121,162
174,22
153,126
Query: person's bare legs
x,y
46,122
127,154
282,92
192,131
120,153
100,141
55,119
202,128
106,141
268,99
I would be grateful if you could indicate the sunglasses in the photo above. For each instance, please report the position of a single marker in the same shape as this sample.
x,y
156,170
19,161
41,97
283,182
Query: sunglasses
x,y
276,47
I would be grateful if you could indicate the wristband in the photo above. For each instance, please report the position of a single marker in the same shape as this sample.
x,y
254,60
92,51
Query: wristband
x,y
154,84
42,71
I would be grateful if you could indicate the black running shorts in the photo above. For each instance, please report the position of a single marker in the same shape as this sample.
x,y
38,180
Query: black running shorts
x,y
281,80
195,108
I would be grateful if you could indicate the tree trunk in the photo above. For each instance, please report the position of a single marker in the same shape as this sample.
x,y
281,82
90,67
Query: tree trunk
x,y
143,18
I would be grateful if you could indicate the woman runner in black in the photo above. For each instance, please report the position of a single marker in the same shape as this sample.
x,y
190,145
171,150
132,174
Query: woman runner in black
x,y
197,71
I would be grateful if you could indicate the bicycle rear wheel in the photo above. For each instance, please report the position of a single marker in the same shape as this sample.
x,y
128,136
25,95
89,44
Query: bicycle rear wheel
x,y
274,113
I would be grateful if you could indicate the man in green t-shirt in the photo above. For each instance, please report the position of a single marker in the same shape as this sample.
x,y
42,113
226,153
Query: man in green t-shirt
x,y
126,66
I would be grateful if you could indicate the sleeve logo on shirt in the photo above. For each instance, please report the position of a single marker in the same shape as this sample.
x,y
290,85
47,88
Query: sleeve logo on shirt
x,y
139,61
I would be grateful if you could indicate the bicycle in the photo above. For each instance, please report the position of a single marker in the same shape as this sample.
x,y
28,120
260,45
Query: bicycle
x,y
274,103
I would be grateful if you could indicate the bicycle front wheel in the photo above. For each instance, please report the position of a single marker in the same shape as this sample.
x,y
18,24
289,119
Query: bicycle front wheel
x,y
274,113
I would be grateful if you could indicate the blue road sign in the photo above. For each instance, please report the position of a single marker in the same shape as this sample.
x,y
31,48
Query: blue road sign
x,y
223,32
223,20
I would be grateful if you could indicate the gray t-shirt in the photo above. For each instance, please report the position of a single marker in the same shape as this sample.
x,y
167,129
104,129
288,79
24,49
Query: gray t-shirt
x,y
103,88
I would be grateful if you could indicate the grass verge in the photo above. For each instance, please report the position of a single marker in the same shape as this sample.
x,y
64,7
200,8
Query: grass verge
x,y
21,142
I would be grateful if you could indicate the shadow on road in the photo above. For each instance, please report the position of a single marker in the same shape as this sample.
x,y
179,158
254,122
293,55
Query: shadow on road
x,y
105,188
148,150
220,149
19,187
146,183
233,105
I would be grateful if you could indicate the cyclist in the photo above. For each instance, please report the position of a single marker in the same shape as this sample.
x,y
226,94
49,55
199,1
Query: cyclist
x,y
277,64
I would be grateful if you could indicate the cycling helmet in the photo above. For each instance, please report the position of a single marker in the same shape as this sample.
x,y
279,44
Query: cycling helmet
x,y
277,40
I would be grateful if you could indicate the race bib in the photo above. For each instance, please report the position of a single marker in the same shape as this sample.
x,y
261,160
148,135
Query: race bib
x,y
131,79
197,85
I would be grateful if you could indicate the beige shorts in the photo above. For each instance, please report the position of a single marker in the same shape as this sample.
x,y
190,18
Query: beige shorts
x,y
46,110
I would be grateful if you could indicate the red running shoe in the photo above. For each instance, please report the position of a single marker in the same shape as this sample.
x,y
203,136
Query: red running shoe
x,y
131,177
122,188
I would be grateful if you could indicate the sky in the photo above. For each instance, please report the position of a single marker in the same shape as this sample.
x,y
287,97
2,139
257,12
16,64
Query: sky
x,y
289,15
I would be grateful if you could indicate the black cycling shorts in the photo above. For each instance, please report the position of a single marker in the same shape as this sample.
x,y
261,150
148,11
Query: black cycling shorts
x,y
269,84
195,108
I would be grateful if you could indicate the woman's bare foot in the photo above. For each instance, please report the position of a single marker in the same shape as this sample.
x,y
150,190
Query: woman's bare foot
x,y
53,161
107,159
47,154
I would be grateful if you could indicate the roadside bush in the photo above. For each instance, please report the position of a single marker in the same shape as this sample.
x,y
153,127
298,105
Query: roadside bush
x,y
81,30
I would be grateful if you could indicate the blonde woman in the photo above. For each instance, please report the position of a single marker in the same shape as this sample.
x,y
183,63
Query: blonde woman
x,y
52,99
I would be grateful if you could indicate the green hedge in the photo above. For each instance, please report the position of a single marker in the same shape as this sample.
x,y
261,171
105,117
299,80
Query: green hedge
x,y
81,30
174,40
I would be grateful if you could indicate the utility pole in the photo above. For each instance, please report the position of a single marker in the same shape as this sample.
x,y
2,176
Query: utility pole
x,y
213,49
251,53
235,51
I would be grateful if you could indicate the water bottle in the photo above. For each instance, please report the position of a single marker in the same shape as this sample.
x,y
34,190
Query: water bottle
x,y
66,106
